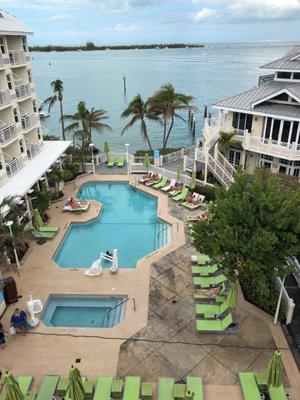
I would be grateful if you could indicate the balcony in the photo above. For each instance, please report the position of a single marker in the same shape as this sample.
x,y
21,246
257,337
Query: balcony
x,y
23,91
5,97
14,165
8,133
33,148
272,148
28,121
17,57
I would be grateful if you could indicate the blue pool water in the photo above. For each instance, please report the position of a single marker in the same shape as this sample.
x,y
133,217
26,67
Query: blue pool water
x,y
83,312
128,222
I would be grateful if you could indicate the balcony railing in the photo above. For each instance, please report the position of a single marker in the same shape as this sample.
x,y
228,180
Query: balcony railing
x,y
1,60
14,165
5,97
17,57
8,133
33,148
272,147
23,90
29,120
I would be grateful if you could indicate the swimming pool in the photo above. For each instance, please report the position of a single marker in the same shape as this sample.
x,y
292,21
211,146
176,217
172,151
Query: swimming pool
x,y
82,311
128,222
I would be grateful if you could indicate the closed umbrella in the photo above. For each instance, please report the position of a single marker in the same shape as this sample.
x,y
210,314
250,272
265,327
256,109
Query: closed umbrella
x,y
193,181
178,170
146,161
106,149
233,295
76,388
275,370
12,389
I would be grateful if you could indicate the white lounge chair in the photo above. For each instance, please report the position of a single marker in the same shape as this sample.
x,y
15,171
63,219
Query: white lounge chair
x,y
154,180
34,306
147,177
170,186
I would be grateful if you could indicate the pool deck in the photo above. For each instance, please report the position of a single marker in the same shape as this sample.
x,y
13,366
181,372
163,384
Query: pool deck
x,y
163,289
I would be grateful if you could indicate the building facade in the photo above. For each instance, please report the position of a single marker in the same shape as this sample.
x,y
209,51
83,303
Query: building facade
x,y
24,156
265,120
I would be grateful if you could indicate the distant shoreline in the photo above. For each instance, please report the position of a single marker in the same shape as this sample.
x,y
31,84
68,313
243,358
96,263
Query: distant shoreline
x,y
49,48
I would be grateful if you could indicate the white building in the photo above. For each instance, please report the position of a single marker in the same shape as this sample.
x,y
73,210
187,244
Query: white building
x,y
24,156
266,121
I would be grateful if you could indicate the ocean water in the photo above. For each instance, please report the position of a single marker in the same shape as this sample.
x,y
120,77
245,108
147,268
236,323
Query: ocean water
x,y
209,74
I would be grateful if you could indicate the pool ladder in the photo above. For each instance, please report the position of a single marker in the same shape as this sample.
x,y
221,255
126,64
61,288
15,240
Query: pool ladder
x,y
120,304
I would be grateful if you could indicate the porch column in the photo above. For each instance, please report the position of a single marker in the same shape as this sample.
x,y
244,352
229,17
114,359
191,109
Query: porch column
x,y
28,205
205,166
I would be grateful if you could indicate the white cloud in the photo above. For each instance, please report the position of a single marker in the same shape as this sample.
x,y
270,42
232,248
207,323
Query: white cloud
x,y
44,4
249,10
121,27
59,18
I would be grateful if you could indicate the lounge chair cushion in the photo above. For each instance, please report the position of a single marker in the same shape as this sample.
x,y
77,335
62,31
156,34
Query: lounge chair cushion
x,y
48,387
179,391
165,388
146,391
277,393
214,325
62,386
24,383
195,386
249,386
103,388
132,388
117,388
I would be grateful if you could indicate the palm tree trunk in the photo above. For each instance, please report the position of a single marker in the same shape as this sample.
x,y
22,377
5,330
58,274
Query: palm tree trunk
x,y
169,131
62,120
165,132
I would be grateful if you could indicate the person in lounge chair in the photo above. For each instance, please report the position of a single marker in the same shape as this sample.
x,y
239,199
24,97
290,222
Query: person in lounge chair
x,y
75,203
176,189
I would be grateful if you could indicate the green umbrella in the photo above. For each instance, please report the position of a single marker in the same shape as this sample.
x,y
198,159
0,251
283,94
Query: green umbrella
x,y
12,389
178,170
193,181
106,148
233,295
188,395
275,370
76,388
146,161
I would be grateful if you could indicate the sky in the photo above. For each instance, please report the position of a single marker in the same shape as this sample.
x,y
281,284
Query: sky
x,y
108,22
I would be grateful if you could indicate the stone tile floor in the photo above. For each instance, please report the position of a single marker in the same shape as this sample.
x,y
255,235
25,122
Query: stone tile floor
x,y
170,346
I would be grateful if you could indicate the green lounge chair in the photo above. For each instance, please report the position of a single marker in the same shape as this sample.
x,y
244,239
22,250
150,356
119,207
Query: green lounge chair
x,y
43,235
249,386
165,388
218,299
214,325
195,386
39,223
146,391
48,387
277,393
162,183
121,162
103,388
62,387
111,161
203,259
88,389
179,391
215,309
204,270
117,388
24,383
207,281
182,195
132,388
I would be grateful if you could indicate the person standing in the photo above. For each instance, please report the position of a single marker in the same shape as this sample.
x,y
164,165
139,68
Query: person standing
x,y
19,321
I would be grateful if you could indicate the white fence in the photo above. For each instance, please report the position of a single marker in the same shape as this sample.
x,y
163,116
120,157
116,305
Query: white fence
x,y
288,301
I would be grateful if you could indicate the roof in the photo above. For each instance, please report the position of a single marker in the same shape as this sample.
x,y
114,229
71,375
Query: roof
x,y
289,62
22,181
11,25
244,101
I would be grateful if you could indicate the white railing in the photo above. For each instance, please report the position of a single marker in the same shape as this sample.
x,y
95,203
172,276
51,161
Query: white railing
x,y
185,179
296,268
225,163
23,90
289,302
5,97
14,165
8,133
189,151
17,57
1,60
29,120
171,157
189,164
218,171
33,148
272,148
239,133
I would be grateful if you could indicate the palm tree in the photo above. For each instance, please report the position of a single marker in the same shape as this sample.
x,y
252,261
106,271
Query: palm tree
x,y
85,121
226,141
58,95
139,110
167,102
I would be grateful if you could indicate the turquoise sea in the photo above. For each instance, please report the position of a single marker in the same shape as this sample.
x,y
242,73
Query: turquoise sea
x,y
209,74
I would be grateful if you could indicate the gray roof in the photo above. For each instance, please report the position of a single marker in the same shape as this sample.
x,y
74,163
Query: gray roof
x,y
243,101
286,62
11,25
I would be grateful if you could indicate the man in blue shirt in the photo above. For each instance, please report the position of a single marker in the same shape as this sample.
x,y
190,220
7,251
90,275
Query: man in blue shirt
x,y
19,321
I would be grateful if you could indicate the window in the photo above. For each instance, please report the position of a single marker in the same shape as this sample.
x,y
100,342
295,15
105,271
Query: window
x,y
276,129
284,75
2,45
294,131
234,157
242,121
16,115
24,43
296,75
34,105
266,161
282,97
21,144
39,134
285,131
9,81
268,128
